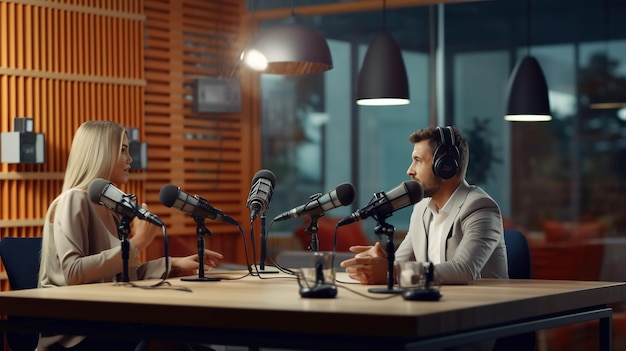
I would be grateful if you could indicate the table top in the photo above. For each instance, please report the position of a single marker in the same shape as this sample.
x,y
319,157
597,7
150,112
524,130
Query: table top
x,y
245,303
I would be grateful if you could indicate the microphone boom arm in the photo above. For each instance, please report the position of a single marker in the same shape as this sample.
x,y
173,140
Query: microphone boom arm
x,y
123,230
201,232
384,228
313,228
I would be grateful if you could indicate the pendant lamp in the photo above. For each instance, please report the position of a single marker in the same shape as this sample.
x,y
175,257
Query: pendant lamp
x,y
527,91
289,48
612,94
382,80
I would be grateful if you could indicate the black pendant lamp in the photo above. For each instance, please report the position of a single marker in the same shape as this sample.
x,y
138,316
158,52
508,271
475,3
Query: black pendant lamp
x,y
289,48
382,80
527,92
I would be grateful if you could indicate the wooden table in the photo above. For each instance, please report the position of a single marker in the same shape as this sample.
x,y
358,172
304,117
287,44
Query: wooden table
x,y
269,312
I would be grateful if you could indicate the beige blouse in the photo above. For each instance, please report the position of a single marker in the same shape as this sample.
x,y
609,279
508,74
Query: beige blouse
x,y
79,247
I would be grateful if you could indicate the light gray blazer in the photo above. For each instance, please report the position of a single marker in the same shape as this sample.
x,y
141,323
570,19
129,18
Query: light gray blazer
x,y
474,247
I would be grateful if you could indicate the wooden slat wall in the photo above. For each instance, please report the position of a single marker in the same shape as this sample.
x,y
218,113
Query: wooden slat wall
x,y
213,155
67,61
62,63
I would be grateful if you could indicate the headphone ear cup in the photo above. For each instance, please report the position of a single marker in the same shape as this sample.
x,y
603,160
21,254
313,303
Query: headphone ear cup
x,y
446,165
446,157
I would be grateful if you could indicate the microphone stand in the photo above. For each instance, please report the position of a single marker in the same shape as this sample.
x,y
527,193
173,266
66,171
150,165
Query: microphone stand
x,y
201,231
383,228
123,230
264,247
312,229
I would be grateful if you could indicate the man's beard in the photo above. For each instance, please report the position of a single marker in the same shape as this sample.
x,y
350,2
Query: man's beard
x,y
431,188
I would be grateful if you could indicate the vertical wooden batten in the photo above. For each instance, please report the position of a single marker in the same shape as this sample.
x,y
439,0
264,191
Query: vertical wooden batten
x,y
63,63
211,155
68,61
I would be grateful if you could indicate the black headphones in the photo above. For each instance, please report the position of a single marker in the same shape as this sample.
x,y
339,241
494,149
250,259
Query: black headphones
x,y
446,157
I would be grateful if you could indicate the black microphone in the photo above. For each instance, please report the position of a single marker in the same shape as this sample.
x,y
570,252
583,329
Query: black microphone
x,y
103,192
171,196
383,205
343,195
260,193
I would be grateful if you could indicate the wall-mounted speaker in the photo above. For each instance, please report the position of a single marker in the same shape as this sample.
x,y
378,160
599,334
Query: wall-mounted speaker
x,y
22,145
217,95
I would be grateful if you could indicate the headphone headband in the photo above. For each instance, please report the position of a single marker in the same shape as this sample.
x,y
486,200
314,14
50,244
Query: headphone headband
x,y
446,157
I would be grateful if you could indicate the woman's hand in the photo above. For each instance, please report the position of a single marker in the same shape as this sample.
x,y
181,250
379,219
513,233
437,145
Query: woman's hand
x,y
190,265
144,232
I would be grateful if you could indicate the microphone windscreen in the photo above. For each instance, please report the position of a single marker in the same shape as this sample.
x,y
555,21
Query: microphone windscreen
x,y
345,193
168,194
264,173
95,188
416,193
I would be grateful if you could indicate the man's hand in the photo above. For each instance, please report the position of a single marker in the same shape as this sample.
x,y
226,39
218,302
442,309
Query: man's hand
x,y
369,265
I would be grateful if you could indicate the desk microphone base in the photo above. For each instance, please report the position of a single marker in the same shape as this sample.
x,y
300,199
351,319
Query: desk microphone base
x,y
267,271
386,290
200,279
263,270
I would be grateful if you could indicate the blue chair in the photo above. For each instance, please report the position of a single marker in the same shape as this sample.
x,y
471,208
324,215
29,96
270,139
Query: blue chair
x,y
518,254
21,257
519,265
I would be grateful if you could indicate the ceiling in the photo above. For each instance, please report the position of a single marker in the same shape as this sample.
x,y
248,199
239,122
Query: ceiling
x,y
469,25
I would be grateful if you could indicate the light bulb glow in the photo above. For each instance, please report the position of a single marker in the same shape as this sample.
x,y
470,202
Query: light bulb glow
x,y
382,102
528,118
255,60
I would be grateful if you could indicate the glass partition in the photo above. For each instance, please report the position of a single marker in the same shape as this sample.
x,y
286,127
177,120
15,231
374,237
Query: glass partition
x,y
560,182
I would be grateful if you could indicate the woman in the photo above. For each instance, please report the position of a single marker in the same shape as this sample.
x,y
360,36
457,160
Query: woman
x,y
80,239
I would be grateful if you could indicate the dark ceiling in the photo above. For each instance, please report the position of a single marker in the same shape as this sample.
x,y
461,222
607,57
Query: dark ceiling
x,y
481,25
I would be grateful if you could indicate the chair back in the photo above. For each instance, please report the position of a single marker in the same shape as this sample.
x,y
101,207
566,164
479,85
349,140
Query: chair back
x,y
518,254
21,258
519,264
301,259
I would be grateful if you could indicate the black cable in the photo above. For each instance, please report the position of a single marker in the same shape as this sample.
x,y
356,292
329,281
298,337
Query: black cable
x,y
163,283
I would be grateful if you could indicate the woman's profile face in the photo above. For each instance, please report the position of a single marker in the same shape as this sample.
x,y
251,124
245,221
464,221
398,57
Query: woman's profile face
x,y
121,170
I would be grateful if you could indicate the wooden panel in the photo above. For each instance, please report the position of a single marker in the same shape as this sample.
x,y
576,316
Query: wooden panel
x,y
63,63
212,155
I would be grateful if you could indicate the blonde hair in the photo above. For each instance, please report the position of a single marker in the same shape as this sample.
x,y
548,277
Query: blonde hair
x,y
95,149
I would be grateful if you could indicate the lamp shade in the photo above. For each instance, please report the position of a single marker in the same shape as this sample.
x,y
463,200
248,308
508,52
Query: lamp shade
x,y
527,93
611,94
608,104
382,79
289,48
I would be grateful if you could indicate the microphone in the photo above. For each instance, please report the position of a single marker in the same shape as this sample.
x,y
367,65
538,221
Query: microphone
x,y
171,196
343,195
383,205
260,193
103,192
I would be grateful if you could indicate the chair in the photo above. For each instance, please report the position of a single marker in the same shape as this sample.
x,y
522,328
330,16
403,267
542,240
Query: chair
x,y
346,236
519,266
301,259
518,254
21,257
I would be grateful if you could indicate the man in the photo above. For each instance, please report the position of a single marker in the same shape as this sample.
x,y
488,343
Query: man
x,y
457,226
